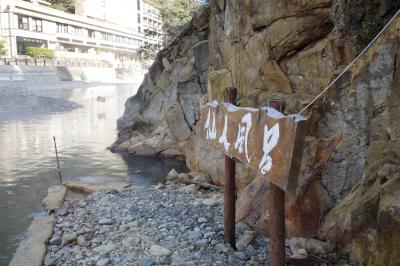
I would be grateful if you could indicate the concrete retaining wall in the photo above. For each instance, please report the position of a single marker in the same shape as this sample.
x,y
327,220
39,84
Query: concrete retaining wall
x,y
12,72
87,73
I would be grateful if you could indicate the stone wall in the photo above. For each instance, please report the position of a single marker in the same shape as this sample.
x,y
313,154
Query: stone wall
x,y
349,189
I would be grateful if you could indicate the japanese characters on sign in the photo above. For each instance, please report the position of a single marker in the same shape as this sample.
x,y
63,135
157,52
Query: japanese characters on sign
x,y
264,138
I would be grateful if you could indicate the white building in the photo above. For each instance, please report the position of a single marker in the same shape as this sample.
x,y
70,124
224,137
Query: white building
x,y
111,30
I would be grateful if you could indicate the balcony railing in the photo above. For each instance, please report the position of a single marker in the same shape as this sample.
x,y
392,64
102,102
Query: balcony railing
x,y
23,26
65,62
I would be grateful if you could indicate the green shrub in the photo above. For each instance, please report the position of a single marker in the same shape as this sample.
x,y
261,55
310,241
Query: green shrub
x,y
3,49
36,52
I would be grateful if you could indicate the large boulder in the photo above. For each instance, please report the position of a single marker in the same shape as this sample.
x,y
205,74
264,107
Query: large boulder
x,y
290,50
160,118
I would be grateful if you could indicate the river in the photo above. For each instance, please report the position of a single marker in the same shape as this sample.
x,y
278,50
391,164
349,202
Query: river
x,y
30,115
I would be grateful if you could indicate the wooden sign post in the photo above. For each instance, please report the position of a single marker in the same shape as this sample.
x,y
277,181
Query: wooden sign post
x,y
276,208
230,184
267,141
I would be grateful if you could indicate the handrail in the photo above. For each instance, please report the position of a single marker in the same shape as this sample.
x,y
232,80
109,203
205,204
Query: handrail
x,y
66,62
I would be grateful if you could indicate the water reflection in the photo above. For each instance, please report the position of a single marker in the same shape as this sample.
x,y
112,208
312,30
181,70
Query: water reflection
x,y
27,159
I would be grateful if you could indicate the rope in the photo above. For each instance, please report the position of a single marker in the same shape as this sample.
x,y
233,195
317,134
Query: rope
x,y
351,64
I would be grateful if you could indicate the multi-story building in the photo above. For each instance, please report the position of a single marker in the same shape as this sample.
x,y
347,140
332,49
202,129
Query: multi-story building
x,y
141,15
111,30
151,23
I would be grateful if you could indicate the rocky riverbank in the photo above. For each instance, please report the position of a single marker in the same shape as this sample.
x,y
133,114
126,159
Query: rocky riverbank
x,y
177,223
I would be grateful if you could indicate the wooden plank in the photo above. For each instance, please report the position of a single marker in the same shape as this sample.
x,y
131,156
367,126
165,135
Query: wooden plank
x,y
230,185
265,139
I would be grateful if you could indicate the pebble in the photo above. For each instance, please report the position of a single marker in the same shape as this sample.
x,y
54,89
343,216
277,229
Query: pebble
x,y
223,248
81,241
244,241
202,220
105,249
97,239
195,235
68,238
103,262
106,221
55,240
209,234
211,202
240,255
188,189
82,204
146,226
297,243
156,250
201,242
318,247
183,177
146,261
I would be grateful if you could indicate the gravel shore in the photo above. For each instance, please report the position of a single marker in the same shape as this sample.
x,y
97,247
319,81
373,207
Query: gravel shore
x,y
172,224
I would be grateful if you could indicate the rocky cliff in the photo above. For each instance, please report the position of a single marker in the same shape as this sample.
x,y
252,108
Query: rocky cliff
x,y
349,191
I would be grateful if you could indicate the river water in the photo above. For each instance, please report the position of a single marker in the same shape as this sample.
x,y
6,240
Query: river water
x,y
31,114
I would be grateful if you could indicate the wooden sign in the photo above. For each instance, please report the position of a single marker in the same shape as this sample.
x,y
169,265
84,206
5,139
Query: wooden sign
x,y
265,139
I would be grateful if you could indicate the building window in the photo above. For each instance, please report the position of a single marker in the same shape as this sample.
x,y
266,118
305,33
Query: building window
x,y
138,4
138,18
103,3
76,31
139,29
59,28
23,43
91,33
37,25
23,23
62,28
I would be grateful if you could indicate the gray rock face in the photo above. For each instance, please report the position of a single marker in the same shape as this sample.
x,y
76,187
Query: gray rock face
x,y
169,98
